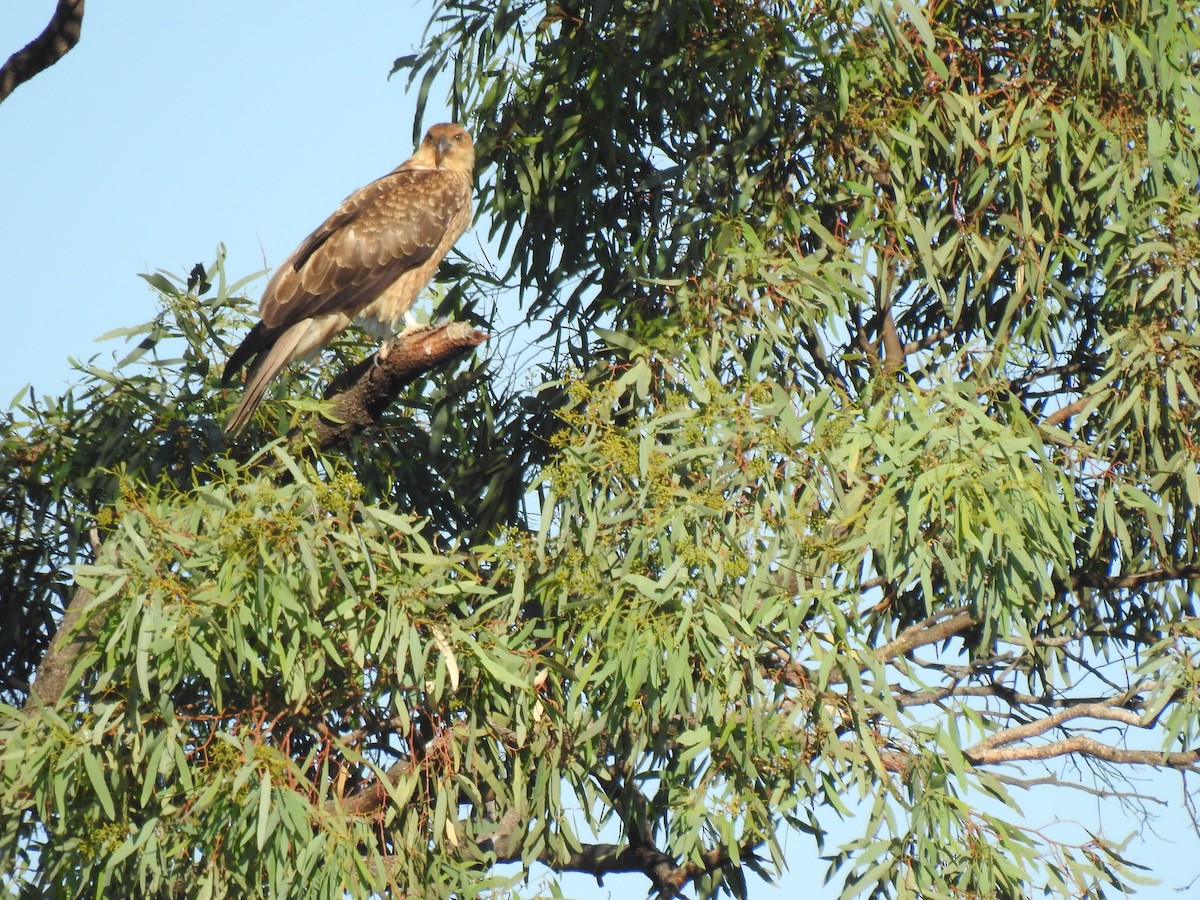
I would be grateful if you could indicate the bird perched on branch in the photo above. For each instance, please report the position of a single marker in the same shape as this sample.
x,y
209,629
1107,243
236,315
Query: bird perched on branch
x,y
365,265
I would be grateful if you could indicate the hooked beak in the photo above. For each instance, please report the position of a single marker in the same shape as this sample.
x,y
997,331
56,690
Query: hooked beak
x,y
440,149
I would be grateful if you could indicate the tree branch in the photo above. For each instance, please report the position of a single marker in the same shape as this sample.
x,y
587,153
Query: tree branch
x,y
1066,412
893,349
1080,580
938,627
55,41
69,641
505,841
997,748
372,795
905,697
363,392
668,877
949,622
1090,367
67,644
1187,759
930,340
1028,784
811,342
1105,710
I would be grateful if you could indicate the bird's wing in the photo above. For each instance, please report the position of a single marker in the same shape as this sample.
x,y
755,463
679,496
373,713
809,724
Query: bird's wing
x,y
379,232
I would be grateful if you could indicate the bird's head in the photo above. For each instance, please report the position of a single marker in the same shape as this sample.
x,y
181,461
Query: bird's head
x,y
448,146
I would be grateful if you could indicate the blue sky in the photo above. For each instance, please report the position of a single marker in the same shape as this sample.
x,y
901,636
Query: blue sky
x,y
178,125
172,127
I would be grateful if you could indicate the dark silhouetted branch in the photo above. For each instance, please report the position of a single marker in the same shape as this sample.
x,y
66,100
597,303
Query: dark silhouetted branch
x,y
55,41
1100,581
668,877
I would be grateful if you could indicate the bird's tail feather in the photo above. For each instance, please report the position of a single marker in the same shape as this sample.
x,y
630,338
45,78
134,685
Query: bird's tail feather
x,y
259,339
262,372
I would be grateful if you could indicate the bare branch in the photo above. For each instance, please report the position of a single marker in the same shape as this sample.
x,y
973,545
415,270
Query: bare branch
x,y
668,877
599,860
364,391
938,627
998,747
1091,367
811,343
506,838
1099,580
69,641
371,796
1066,412
893,350
930,340
1187,759
55,41
1107,710
1013,698
1051,781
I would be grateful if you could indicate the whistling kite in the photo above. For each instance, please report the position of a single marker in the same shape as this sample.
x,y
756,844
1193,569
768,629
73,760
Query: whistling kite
x,y
366,264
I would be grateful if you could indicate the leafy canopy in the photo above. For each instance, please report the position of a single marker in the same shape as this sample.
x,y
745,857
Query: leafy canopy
x,y
857,475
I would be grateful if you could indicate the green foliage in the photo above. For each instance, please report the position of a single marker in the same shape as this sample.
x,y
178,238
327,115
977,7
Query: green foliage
x,y
278,637
860,482
151,417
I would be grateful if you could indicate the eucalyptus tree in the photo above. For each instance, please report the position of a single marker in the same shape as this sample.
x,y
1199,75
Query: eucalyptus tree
x,y
855,473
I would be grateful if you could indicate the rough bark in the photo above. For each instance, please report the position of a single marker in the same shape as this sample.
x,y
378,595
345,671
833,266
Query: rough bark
x,y
364,391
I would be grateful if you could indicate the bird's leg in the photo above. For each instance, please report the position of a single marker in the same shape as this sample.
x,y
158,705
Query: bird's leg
x,y
411,326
